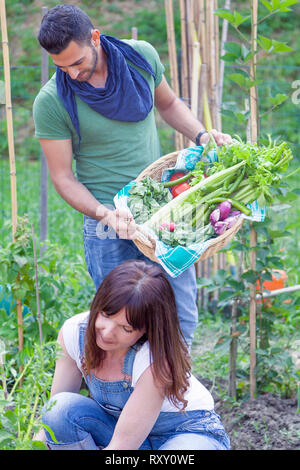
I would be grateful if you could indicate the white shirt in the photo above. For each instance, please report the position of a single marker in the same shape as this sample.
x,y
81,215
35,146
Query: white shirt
x,y
197,396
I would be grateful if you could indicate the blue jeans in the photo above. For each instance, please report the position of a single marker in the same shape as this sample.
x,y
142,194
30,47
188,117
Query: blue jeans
x,y
104,251
80,423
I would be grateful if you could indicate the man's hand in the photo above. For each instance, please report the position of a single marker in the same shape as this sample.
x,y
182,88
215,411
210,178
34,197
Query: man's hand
x,y
220,138
122,222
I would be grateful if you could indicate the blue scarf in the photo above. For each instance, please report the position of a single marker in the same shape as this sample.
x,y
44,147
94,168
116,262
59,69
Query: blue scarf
x,y
126,95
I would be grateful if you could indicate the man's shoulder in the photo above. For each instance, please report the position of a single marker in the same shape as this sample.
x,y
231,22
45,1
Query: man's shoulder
x,y
48,91
143,47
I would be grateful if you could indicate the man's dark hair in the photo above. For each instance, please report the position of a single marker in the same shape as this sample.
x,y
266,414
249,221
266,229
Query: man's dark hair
x,y
63,24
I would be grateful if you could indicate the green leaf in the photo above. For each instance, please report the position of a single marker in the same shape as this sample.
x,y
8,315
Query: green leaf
x,y
4,435
51,433
266,276
237,285
204,282
39,445
250,276
250,83
20,260
223,343
238,78
284,4
261,352
265,43
230,58
268,5
281,5
246,53
225,14
242,116
271,45
239,19
20,293
276,4
278,99
220,277
235,18
233,48
226,294
281,46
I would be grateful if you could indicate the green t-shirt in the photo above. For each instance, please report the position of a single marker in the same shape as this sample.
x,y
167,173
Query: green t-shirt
x,y
112,153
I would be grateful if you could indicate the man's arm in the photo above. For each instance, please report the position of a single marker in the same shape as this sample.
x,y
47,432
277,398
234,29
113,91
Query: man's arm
x,y
59,154
178,115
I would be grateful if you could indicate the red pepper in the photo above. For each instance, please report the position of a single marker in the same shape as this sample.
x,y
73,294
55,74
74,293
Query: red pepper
x,y
180,188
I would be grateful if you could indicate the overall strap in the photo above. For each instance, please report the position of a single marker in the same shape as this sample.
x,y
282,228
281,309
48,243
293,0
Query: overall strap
x,y
82,329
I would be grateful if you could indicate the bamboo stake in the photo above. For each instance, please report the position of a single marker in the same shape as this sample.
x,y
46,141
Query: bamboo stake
x,y
217,67
37,287
134,32
233,351
11,149
234,335
190,42
195,78
195,81
202,85
202,32
173,60
185,93
222,52
253,235
217,42
252,315
253,89
9,117
204,76
248,130
213,83
44,167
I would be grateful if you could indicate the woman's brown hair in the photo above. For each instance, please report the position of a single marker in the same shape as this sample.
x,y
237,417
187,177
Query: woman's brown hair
x,y
149,301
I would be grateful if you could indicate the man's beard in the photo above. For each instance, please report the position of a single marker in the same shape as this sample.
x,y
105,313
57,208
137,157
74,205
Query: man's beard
x,y
92,70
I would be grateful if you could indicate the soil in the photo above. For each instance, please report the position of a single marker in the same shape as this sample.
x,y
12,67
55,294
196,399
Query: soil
x,y
267,422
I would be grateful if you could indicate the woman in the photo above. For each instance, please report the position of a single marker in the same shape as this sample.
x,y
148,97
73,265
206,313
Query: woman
x,y
132,355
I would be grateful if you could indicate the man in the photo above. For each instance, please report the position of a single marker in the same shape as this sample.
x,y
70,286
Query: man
x,y
99,107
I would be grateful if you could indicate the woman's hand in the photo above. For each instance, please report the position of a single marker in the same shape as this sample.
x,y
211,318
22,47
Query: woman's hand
x,y
138,415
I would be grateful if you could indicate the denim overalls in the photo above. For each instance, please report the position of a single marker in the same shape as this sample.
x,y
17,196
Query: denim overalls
x,y
79,422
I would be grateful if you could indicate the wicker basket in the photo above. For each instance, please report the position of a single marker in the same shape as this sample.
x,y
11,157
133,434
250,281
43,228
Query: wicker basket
x,y
146,244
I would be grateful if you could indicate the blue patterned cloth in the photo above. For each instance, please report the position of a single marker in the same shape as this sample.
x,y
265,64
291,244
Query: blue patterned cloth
x,y
176,260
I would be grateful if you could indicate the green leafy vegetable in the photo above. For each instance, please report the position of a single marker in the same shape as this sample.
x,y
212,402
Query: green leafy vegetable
x,y
146,197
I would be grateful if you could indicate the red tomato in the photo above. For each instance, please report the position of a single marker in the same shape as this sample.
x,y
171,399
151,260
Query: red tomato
x,y
176,176
180,188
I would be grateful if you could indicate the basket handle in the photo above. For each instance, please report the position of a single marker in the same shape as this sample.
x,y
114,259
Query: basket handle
x,y
144,237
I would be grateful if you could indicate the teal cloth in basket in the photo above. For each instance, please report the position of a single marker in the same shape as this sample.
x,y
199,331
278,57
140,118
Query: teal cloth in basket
x,y
176,260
